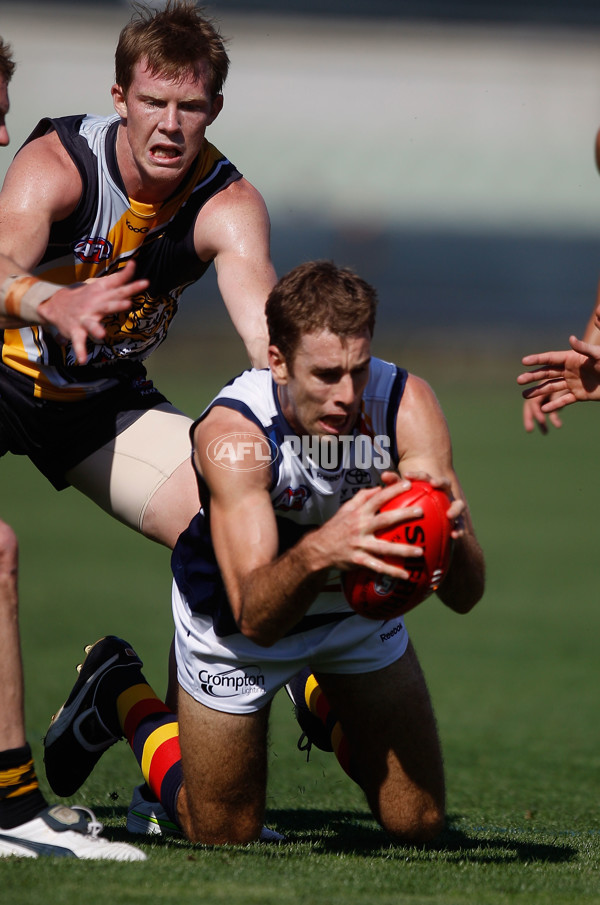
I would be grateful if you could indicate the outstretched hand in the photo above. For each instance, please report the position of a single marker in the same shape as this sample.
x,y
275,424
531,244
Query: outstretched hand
x,y
534,414
77,311
568,376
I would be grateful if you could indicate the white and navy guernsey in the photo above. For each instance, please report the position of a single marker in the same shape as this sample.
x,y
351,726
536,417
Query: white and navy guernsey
x,y
304,494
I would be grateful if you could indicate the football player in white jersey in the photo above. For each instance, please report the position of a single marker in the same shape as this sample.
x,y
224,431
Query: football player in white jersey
x,y
256,591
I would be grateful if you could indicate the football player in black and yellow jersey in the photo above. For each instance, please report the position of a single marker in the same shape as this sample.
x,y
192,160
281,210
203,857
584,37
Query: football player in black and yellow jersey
x,y
104,221
85,202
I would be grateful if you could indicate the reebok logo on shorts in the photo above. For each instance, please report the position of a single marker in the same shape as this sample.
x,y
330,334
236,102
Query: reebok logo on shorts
x,y
385,636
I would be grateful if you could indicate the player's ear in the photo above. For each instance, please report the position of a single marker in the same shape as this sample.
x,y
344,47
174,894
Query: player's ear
x,y
119,101
278,365
217,106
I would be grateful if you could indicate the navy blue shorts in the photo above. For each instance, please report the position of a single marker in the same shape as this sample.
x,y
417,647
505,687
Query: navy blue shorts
x,y
56,436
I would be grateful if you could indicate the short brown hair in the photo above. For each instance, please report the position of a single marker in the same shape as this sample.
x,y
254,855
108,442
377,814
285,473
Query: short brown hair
x,y
7,64
318,296
174,41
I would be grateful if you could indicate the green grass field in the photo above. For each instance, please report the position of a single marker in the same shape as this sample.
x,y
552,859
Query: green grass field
x,y
515,686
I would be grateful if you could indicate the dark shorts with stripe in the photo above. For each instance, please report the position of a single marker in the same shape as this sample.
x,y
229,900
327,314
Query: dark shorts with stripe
x,y
56,436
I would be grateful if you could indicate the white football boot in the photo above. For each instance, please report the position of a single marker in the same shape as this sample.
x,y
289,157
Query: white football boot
x,y
64,832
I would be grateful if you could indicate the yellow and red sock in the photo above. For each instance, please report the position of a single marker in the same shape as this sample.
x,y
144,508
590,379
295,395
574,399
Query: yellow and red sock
x,y
318,705
152,731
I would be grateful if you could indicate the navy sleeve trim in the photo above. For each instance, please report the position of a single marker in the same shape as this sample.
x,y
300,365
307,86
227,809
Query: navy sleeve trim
x,y
396,394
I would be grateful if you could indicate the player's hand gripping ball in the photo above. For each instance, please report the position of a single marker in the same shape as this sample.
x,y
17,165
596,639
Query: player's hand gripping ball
x,y
381,597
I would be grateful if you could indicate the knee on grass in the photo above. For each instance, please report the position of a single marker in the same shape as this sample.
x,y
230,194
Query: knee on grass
x,y
219,825
415,827
236,833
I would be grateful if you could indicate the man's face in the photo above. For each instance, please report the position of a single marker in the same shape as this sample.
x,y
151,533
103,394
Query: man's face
x,y
4,105
166,121
321,395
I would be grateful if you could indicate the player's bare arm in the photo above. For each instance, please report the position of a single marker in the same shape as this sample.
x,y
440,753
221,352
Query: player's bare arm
x,y
425,452
270,593
542,406
43,186
567,377
233,229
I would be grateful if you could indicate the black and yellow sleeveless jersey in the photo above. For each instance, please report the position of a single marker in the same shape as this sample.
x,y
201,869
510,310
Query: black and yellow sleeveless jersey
x,y
106,230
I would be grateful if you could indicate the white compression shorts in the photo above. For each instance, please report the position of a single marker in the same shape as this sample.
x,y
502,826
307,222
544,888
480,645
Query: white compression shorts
x,y
123,476
235,675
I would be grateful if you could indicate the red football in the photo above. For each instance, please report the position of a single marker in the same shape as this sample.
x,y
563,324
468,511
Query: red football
x,y
381,597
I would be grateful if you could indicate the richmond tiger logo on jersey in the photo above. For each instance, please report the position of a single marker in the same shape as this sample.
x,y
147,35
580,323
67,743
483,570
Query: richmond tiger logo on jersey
x,y
139,330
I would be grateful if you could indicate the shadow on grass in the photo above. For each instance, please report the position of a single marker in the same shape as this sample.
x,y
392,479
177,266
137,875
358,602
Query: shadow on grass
x,y
356,833
351,832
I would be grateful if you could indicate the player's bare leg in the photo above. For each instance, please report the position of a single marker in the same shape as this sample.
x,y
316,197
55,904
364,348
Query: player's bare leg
x,y
224,759
12,719
396,757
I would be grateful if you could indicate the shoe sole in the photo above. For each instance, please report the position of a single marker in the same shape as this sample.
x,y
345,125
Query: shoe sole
x,y
139,824
11,847
14,846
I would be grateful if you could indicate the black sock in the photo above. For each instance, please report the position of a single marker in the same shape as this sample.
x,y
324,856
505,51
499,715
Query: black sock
x,y
20,796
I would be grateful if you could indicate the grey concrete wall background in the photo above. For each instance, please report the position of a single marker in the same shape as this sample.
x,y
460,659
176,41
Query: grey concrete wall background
x,y
452,165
